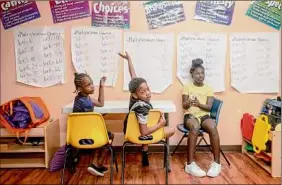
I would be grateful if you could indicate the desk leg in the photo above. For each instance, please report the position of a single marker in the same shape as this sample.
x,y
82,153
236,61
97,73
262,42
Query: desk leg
x,y
167,141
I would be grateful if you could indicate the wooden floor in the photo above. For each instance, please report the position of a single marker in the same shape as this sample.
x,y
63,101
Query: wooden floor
x,y
242,171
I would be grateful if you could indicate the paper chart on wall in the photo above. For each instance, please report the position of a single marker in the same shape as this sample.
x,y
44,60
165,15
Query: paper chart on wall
x,y
254,61
211,48
40,56
152,57
95,51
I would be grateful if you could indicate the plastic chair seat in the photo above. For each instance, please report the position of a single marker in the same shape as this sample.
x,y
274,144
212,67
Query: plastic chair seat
x,y
181,128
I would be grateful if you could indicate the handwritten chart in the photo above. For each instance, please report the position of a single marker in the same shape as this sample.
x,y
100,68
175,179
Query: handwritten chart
x,y
254,60
211,48
152,57
95,51
40,56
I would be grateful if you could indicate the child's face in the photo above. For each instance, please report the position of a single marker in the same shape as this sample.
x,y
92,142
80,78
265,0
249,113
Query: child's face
x,y
198,75
143,92
87,86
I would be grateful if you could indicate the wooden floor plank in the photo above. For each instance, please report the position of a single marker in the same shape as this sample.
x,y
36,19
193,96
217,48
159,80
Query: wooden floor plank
x,y
242,171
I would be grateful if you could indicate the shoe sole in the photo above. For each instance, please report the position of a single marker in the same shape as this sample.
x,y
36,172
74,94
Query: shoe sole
x,y
94,172
195,175
213,176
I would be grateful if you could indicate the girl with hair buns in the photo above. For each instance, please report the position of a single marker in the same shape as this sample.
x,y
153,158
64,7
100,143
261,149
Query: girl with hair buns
x,y
197,100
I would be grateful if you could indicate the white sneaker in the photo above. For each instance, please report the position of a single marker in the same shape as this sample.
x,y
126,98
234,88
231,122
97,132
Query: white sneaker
x,y
194,170
214,170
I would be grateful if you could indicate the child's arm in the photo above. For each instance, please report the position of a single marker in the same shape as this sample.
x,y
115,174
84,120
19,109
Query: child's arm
x,y
207,106
149,130
100,101
130,65
185,102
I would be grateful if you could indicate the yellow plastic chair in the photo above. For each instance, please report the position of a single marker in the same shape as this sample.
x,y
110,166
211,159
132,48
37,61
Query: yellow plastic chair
x,y
132,137
91,126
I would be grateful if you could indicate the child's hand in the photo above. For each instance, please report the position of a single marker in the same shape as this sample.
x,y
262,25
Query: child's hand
x,y
162,120
187,104
195,102
126,56
102,81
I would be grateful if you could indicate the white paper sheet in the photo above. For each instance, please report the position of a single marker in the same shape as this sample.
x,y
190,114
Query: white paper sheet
x,y
211,48
40,56
95,51
254,61
152,57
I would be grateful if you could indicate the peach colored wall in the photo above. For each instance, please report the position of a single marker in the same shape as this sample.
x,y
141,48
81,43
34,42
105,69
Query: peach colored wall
x,y
235,104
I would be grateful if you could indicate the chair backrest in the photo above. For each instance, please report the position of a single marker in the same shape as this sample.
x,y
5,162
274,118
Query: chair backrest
x,y
215,110
133,130
87,125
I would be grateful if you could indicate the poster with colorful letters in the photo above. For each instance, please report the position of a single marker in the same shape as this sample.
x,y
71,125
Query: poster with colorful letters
x,y
220,12
69,10
13,13
267,12
163,13
113,14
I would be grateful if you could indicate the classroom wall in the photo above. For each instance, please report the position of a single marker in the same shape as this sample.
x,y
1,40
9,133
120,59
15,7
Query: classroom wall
x,y
235,104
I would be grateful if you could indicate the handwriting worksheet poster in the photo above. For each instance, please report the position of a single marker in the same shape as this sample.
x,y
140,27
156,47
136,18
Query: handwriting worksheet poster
x,y
254,62
152,57
95,51
40,56
211,48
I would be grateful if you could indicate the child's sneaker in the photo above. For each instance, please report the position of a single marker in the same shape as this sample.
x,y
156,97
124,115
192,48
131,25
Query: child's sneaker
x,y
214,170
145,160
194,170
95,170
103,169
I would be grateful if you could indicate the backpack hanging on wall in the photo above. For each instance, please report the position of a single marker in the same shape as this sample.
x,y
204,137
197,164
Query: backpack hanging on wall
x,y
23,113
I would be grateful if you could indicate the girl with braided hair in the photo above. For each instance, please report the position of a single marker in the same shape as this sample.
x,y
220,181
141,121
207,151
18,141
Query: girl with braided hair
x,y
84,87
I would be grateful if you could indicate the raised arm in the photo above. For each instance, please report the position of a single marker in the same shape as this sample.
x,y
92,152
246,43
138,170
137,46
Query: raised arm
x,y
100,101
130,65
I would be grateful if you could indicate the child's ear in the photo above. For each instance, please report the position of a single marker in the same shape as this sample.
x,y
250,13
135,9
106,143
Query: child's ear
x,y
79,89
134,95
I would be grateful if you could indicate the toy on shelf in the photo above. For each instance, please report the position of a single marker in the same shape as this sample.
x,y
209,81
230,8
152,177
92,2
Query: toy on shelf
x,y
247,126
260,134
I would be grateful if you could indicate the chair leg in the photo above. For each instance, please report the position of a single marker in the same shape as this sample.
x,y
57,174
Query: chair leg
x,y
165,156
167,163
65,161
207,143
220,152
225,157
115,159
123,161
184,135
111,165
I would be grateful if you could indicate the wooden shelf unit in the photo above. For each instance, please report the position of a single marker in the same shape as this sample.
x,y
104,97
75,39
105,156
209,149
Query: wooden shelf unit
x,y
275,168
28,156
